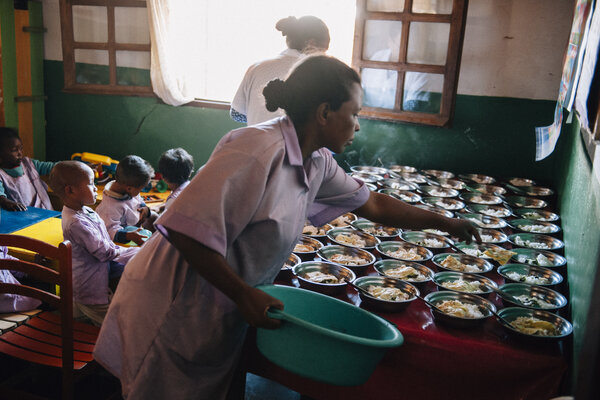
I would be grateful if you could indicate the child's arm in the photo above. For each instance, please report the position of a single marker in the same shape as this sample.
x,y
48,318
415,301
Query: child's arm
x,y
43,167
8,204
85,234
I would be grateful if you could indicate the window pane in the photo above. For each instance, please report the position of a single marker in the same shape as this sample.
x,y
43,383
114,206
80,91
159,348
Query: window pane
x,y
382,40
131,25
428,43
379,86
422,92
133,68
432,6
90,24
91,66
385,5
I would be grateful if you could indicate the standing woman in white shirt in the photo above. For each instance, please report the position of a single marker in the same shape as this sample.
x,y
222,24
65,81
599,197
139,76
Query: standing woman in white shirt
x,y
305,35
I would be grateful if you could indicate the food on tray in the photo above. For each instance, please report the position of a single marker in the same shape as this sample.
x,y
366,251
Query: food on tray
x,y
530,243
430,242
406,273
493,212
530,279
463,286
321,277
448,205
480,223
405,254
537,228
436,232
534,215
520,182
347,259
540,260
453,264
482,200
379,230
351,239
459,309
304,248
534,326
342,220
499,254
532,301
437,192
388,293
404,197
313,230
488,238
475,252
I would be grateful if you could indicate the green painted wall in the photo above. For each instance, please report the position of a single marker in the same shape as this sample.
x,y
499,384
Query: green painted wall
x,y
9,63
37,79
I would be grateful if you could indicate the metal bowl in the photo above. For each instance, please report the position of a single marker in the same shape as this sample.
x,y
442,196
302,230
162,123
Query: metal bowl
x,y
380,231
478,250
535,241
490,210
397,183
437,210
541,258
431,241
533,226
439,174
481,198
510,314
449,183
520,182
529,274
538,215
414,177
416,253
484,306
525,202
484,221
288,266
477,265
477,281
537,191
381,304
551,298
404,195
488,189
438,191
371,186
401,168
352,238
315,232
341,273
408,271
366,177
492,236
343,220
368,169
478,178
307,243
331,254
444,202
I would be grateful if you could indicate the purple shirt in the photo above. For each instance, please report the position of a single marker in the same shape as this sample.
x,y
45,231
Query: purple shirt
x,y
117,210
28,189
175,193
92,251
168,332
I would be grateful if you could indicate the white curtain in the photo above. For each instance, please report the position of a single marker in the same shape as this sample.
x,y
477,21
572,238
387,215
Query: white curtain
x,y
167,67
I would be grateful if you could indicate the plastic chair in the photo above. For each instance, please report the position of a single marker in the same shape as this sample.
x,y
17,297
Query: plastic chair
x,y
48,338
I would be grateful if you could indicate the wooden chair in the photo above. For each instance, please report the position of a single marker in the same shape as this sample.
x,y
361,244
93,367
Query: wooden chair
x,y
48,338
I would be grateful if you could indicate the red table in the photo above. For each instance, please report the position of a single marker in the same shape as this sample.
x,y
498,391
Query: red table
x,y
440,362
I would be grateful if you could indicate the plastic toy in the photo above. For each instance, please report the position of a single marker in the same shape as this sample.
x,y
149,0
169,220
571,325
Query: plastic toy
x,y
104,167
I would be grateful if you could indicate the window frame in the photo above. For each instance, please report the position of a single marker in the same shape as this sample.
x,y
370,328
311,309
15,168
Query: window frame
x,y
450,70
69,45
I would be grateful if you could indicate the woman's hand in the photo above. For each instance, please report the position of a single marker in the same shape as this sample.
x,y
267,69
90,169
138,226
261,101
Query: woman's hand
x,y
254,303
462,229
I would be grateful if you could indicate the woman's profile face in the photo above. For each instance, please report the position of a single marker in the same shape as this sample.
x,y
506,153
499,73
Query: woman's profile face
x,y
342,123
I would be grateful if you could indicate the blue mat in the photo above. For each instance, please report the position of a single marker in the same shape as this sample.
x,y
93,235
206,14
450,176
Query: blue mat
x,y
11,221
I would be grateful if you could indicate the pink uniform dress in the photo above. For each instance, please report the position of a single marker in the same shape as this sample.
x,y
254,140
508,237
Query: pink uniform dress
x,y
92,251
175,193
13,302
170,334
28,189
118,210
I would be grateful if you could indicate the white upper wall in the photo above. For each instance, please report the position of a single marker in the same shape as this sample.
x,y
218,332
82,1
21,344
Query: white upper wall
x,y
512,48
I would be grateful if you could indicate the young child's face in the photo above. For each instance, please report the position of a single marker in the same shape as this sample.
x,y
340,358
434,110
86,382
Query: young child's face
x,y
85,191
11,153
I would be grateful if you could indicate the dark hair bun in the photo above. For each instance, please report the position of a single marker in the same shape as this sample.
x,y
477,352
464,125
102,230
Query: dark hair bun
x,y
275,95
287,25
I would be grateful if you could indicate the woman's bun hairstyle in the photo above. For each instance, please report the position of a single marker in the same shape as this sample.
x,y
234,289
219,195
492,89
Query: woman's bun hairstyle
x,y
306,32
275,95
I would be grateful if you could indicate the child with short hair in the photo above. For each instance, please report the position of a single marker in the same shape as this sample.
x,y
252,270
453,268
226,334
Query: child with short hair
x,y
94,253
122,207
176,167
13,302
20,183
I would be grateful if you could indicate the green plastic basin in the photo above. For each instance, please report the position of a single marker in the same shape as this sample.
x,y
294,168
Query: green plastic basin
x,y
325,339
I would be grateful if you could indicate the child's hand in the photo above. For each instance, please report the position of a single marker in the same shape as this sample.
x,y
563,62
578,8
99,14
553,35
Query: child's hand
x,y
136,237
144,212
11,205
463,229
254,303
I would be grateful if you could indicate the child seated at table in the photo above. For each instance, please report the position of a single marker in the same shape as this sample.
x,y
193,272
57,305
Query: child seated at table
x,y
176,167
122,207
20,182
95,256
13,302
